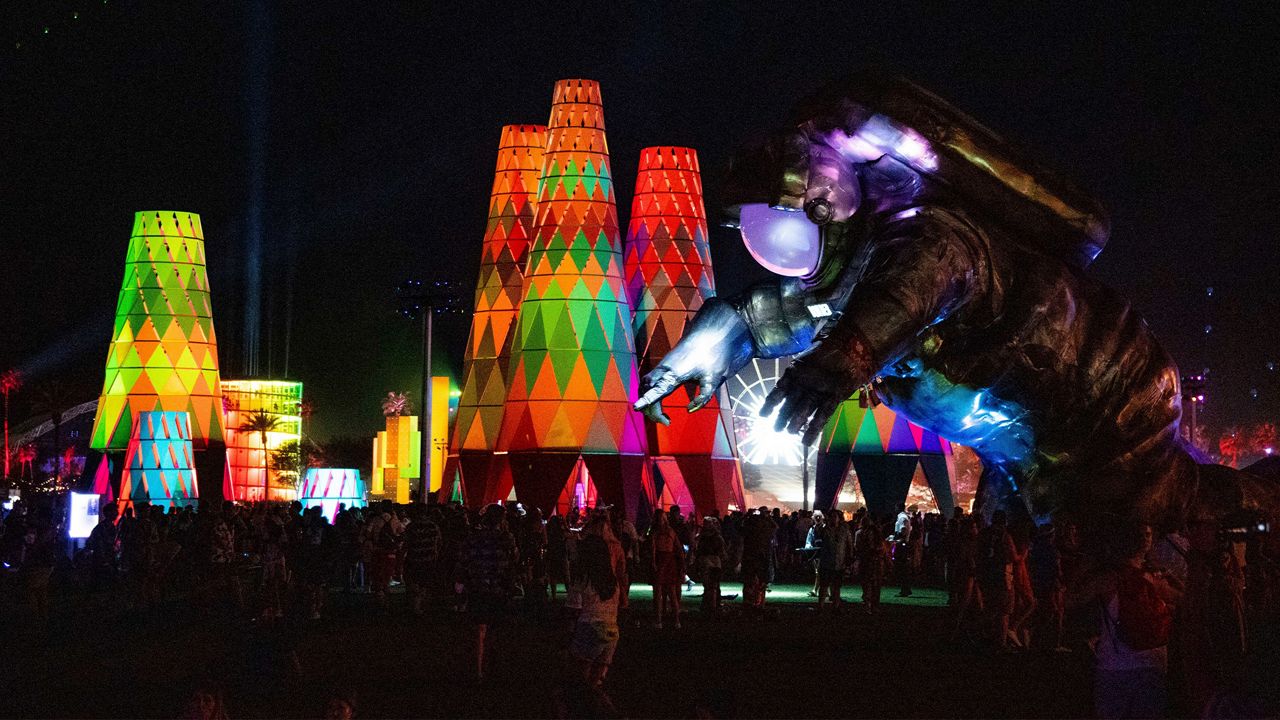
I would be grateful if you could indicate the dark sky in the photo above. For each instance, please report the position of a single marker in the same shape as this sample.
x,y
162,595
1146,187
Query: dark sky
x,y
382,122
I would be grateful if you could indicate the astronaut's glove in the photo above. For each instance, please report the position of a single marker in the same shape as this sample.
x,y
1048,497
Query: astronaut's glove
x,y
816,383
716,344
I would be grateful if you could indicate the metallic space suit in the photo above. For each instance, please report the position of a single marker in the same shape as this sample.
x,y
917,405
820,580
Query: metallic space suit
x,y
924,259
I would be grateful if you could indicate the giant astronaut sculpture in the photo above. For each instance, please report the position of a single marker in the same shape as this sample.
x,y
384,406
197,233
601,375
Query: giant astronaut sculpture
x,y
922,258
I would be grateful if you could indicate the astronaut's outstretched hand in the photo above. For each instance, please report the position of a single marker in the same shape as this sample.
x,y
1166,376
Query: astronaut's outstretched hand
x,y
809,392
663,381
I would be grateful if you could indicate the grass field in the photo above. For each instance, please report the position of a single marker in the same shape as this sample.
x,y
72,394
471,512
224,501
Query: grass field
x,y
94,662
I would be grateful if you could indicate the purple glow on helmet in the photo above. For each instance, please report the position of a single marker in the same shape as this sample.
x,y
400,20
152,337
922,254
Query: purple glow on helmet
x,y
879,136
783,241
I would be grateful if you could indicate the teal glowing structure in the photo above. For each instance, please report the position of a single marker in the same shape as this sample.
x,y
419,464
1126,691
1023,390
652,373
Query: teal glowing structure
x,y
159,467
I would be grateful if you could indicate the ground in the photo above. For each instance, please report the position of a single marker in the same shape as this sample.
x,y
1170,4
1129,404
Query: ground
x,y
94,663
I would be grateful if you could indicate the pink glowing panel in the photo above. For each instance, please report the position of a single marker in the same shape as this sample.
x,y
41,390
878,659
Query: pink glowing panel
x,y
330,487
783,241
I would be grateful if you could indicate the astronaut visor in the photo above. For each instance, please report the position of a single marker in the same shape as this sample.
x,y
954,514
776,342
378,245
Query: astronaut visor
x,y
784,241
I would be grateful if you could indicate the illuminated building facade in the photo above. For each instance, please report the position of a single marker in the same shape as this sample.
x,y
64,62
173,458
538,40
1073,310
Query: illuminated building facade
x,y
164,354
486,361
330,487
572,369
668,276
244,401
397,458
159,465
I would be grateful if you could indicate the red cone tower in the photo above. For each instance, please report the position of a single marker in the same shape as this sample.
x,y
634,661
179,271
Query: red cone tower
x,y
668,271
573,368
486,362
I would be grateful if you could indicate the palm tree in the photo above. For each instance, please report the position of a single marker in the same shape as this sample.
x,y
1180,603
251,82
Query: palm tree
x,y
395,404
52,400
261,422
10,381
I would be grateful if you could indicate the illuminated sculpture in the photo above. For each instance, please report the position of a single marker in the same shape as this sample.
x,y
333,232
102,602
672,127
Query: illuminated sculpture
x,y
331,487
923,257
486,362
158,466
164,355
884,449
572,371
397,454
250,402
668,274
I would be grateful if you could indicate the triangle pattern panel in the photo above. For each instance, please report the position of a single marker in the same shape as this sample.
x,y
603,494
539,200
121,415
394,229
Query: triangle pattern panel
x,y
486,365
163,354
668,277
159,461
572,352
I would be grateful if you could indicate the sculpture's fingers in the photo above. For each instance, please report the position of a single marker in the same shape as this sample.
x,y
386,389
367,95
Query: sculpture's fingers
x,y
659,388
799,417
772,400
654,412
706,391
819,421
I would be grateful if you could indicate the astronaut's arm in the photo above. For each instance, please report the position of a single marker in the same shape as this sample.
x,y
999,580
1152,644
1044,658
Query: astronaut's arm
x,y
767,320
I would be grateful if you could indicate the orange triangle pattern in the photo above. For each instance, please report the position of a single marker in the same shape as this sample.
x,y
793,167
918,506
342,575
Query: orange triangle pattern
x,y
510,226
164,353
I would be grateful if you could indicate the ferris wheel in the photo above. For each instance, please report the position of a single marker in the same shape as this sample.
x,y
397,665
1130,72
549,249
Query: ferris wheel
x,y
758,442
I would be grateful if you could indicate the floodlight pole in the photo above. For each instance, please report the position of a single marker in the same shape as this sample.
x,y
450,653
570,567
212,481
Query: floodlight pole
x,y
804,475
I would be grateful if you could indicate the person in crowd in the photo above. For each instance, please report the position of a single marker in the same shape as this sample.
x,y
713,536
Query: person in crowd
x,y
1210,634
315,553
138,540
625,531
902,553
104,549
666,566
812,542
757,540
532,543
1133,604
869,544
995,571
1044,563
384,533
709,557
962,571
39,557
487,563
220,554
273,547
600,562
557,554
422,552
1024,599
835,548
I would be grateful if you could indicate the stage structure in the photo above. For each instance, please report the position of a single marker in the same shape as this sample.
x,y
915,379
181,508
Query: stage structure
x,y
573,364
487,360
279,403
893,460
397,453
668,275
330,487
159,465
164,354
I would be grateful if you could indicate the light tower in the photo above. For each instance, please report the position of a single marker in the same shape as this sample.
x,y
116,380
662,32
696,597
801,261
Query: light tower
x,y
668,273
568,421
164,355
486,361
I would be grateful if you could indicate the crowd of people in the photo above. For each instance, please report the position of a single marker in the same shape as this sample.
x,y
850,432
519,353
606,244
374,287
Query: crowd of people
x,y
1010,582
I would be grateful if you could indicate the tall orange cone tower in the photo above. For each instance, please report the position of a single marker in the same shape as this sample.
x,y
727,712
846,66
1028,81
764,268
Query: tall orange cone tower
x,y
486,364
164,355
568,420
668,271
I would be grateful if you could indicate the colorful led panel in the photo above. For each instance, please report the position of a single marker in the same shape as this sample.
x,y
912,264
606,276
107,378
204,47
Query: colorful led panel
x,y
280,400
164,355
331,487
159,467
397,458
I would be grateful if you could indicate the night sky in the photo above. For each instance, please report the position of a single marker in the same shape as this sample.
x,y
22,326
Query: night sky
x,y
379,122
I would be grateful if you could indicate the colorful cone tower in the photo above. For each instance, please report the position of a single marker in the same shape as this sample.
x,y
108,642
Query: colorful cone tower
x,y
884,449
668,272
164,355
573,370
159,465
499,290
